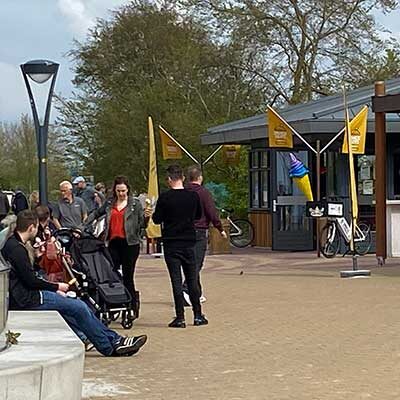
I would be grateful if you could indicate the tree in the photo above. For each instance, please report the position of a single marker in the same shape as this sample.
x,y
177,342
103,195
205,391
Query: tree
x,y
18,160
303,49
149,60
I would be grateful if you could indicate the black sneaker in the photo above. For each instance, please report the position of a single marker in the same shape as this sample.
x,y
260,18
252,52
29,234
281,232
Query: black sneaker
x,y
200,320
129,346
177,323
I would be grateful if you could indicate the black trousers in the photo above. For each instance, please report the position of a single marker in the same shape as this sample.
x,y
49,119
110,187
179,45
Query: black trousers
x,y
126,256
178,259
200,249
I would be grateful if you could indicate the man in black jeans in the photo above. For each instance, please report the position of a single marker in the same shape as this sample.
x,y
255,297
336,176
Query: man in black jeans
x,y
209,215
29,292
176,210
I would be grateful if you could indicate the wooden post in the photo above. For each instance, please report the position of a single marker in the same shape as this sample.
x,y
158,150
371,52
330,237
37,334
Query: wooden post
x,y
380,179
318,156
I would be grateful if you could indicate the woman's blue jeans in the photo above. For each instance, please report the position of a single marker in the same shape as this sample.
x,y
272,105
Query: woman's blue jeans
x,y
81,318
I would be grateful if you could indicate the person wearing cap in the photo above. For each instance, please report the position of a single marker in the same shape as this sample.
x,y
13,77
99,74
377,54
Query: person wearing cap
x,y
90,196
70,211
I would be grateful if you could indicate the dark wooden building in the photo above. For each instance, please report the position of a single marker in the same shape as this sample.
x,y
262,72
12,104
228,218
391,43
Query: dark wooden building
x,y
276,206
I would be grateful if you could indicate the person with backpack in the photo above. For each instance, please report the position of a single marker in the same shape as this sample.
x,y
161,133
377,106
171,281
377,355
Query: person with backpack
x,y
19,202
4,205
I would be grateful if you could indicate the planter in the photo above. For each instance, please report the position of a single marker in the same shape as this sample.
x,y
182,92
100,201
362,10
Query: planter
x,y
4,271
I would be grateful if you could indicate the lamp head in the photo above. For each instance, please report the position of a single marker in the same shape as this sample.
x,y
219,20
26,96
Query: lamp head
x,y
40,71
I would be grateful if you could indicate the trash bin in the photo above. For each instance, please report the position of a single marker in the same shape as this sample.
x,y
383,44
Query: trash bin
x,y
4,271
216,243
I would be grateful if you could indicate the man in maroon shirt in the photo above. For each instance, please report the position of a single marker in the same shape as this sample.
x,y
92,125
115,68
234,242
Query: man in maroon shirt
x,y
209,215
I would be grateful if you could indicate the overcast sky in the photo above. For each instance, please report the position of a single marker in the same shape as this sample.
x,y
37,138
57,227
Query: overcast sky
x,y
45,29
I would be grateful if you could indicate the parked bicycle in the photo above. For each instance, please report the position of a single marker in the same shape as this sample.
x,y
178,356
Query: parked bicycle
x,y
241,230
337,231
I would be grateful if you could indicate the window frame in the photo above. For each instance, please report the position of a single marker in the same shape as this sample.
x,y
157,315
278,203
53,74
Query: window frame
x,y
258,168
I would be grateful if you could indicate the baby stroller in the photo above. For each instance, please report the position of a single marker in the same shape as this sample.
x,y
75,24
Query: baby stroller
x,y
88,261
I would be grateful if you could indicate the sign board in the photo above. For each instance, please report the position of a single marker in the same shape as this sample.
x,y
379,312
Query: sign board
x,y
323,208
335,209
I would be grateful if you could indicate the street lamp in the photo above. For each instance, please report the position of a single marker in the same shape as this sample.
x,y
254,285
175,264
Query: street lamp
x,y
40,71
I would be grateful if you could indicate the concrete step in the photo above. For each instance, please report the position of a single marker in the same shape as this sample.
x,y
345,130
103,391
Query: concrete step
x,y
46,364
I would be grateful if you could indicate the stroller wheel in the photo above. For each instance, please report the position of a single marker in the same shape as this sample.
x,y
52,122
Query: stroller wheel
x,y
105,318
127,323
115,316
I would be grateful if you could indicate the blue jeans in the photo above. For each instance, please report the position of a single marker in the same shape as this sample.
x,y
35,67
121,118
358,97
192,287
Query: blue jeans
x,y
81,318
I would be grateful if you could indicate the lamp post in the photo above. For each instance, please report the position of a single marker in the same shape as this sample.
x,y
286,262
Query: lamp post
x,y
40,71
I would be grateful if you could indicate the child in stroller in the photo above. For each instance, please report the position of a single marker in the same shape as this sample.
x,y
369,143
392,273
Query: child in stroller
x,y
96,280
47,253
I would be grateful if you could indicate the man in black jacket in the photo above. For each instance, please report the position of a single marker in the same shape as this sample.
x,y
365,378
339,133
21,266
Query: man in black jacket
x,y
29,292
176,210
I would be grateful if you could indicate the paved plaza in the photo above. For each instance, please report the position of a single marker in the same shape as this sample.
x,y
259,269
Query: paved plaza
x,y
282,326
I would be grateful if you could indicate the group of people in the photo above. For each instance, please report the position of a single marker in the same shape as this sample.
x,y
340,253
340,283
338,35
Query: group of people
x,y
184,212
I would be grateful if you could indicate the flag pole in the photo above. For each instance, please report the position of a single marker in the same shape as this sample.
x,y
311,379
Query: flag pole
x,y
159,247
353,198
212,155
332,140
178,144
293,130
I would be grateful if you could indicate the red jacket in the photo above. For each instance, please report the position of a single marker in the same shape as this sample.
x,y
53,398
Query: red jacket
x,y
209,212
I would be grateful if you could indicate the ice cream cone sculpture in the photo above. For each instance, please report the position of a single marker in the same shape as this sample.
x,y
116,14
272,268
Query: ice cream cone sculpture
x,y
300,176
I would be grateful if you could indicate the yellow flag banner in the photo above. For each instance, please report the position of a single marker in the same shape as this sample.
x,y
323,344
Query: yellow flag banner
x,y
358,129
153,230
279,131
231,154
170,150
353,184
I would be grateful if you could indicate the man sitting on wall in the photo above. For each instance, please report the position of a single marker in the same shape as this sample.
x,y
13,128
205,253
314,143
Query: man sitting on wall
x,y
29,292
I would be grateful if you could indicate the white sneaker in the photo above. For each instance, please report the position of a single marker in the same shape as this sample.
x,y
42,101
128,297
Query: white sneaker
x,y
187,298
203,299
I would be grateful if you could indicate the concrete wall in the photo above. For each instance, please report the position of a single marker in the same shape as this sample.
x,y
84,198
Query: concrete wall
x,y
46,364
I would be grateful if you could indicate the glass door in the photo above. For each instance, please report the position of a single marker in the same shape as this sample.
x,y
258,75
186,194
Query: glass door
x,y
291,229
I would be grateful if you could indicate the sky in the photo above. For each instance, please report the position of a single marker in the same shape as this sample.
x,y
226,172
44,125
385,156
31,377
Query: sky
x,y
41,29
46,29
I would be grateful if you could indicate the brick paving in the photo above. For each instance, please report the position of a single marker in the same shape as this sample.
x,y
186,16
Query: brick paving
x,y
282,326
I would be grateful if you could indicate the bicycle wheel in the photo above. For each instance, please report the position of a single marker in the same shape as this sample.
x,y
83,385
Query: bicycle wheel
x,y
362,246
247,233
329,242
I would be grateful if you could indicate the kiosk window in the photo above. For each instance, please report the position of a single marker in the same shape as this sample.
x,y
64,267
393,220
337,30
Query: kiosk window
x,y
396,176
259,179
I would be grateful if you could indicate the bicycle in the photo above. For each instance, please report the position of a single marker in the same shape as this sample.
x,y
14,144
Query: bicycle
x,y
241,230
338,229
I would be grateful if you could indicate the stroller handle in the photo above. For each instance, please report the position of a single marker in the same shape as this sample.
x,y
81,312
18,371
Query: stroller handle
x,y
71,231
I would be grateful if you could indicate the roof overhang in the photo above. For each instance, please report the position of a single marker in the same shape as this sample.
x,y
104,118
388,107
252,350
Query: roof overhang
x,y
319,118
317,129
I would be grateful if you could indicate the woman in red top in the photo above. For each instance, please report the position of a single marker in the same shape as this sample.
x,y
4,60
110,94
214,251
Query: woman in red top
x,y
125,220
